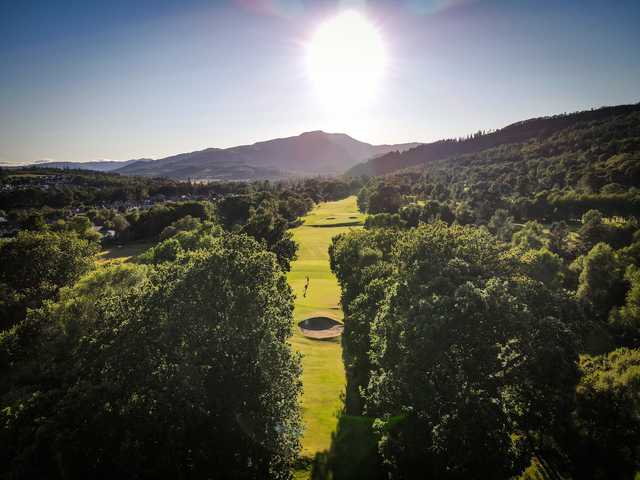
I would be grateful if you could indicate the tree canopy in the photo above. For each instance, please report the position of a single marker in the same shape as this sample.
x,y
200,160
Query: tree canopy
x,y
35,265
177,370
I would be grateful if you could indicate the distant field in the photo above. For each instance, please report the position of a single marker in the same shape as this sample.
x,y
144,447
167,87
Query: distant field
x,y
125,252
323,372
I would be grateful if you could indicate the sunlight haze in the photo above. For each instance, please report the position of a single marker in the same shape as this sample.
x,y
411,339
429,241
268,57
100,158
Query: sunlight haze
x,y
123,80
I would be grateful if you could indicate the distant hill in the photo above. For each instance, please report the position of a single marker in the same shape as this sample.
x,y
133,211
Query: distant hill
x,y
98,166
223,169
519,132
311,153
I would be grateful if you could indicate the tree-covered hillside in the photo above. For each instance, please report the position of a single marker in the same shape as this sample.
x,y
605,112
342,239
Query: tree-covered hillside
x,y
536,130
591,164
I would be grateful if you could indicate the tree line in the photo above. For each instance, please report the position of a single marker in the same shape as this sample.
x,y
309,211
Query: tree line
x,y
27,188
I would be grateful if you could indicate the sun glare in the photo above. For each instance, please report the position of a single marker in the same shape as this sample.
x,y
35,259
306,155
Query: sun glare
x,y
346,60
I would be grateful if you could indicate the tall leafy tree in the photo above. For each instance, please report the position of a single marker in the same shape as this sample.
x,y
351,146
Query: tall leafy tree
x,y
35,265
593,229
601,284
266,225
543,265
385,198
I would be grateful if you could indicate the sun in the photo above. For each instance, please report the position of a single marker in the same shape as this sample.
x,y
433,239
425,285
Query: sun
x,y
346,60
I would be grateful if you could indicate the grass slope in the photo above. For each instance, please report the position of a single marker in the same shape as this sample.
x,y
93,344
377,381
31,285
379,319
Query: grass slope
x,y
323,371
121,254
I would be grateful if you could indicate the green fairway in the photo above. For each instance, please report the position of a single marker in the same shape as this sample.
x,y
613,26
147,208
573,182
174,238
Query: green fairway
x,y
323,371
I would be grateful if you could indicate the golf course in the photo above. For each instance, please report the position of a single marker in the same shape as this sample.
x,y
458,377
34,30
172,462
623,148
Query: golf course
x,y
323,372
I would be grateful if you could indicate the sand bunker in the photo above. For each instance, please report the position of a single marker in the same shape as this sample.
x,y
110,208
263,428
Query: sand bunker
x,y
321,328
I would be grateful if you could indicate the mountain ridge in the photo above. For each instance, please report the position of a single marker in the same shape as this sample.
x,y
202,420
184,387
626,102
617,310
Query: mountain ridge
x,y
313,152
310,153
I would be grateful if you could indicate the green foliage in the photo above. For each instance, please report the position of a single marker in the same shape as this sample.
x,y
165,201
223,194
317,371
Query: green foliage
x,y
559,240
234,209
593,229
625,320
606,440
152,222
544,266
361,262
463,213
77,309
449,344
430,211
465,360
266,225
501,225
631,253
383,220
182,225
79,224
186,374
33,222
119,224
578,163
425,315
601,284
585,150
171,249
459,343
382,198
363,200
531,236
35,265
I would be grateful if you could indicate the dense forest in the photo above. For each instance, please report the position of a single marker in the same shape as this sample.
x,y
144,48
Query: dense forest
x,y
586,165
492,311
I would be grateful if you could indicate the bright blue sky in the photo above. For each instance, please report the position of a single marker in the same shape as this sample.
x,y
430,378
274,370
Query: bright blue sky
x,y
82,80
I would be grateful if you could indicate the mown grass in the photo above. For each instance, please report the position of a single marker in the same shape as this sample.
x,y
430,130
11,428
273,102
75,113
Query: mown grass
x,y
120,254
323,372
